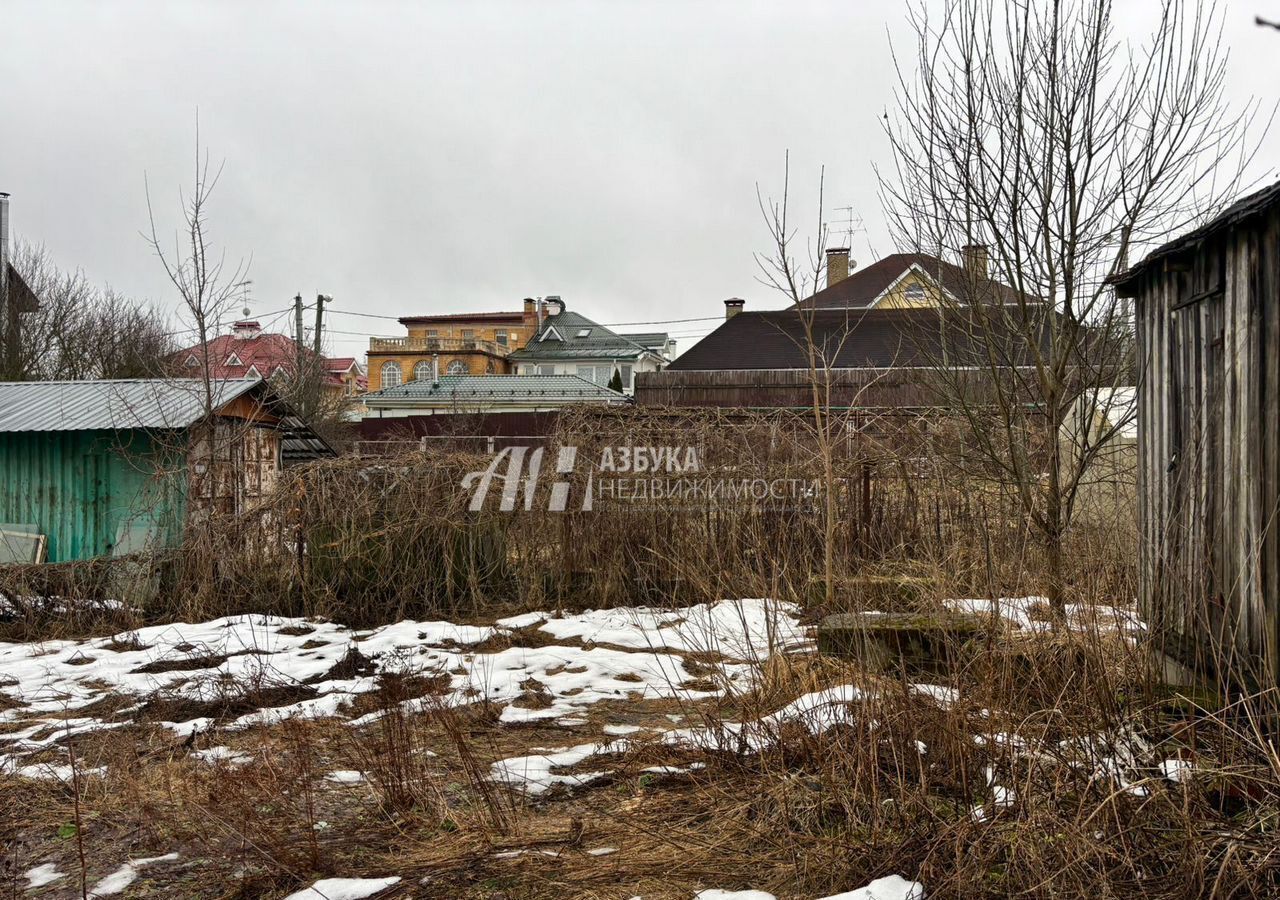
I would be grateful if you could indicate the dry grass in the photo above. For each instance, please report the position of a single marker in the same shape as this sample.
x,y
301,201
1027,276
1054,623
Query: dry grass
x,y
1072,725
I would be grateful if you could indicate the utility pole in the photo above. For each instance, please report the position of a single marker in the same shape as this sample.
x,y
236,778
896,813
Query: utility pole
x,y
321,300
297,330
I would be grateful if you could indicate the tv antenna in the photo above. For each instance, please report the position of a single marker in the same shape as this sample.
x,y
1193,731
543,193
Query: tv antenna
x,y
844,228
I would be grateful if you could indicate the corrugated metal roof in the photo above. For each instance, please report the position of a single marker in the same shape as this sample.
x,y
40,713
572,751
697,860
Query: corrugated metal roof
x,y
110,405
490,388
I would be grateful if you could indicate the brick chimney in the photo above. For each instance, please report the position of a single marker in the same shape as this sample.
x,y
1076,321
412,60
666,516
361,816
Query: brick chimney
x,y
837,265
246,328
733,306
975,259
530,315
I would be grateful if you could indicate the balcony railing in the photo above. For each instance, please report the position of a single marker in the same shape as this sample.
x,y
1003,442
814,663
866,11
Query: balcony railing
x,y
437,345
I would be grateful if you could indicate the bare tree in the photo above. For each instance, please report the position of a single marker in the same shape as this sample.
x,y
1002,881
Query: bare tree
x,y
1034,133
208,289
82,331
797,279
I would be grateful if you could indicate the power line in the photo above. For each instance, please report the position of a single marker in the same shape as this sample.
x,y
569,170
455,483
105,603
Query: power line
x,y
347,312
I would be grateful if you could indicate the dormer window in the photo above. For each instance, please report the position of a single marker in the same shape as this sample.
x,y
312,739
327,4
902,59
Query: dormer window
x,y
192,362
551,335
233,360
584,332
915,293
253,373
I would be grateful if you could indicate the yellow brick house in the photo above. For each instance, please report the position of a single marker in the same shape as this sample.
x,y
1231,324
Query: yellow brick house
x,y
450,344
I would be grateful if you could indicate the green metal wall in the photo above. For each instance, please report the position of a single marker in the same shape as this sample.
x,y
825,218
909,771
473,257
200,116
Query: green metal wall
x,y
94,493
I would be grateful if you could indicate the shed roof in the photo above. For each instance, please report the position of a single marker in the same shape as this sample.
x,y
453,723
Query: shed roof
x,y
111,404
1243,209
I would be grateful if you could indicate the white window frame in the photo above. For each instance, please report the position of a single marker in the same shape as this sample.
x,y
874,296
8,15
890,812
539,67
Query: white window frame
x,y
391,366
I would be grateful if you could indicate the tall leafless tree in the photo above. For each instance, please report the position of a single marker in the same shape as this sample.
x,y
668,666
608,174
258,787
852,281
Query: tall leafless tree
x,y
1037,130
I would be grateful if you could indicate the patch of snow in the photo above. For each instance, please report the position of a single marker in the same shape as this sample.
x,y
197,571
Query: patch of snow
x,y
344,888
199,660
739,629
1178,770
602,851
121,878
345,776
534,774
39,876
621,730
891,887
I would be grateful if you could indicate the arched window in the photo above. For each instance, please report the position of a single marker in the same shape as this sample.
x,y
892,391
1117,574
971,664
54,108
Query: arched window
x,y
422,371
391,374
457,367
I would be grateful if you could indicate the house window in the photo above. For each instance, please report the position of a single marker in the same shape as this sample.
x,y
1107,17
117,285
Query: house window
x,y
421,371
468,334
546,370
626,371
500,337
490,368
431,332
192,362
391,374
457,367
915,293
598,374
234,360
584,332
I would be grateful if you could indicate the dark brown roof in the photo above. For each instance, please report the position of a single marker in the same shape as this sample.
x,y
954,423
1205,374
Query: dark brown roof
x,y
848,338
863,286
511,318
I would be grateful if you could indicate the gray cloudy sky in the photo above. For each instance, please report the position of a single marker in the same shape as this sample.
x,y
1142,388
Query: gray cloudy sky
x,y
410,158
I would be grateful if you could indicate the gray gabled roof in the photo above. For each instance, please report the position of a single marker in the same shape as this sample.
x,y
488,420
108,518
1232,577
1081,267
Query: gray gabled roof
x,y
599,343
111,405
491,389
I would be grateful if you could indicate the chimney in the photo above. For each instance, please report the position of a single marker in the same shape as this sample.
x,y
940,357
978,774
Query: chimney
x,y
975,259
555,305
733,306
837,265
530,316
246,328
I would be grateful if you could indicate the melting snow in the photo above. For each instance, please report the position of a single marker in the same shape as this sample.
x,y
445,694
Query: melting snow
x,y
891,887
45,873
126,875
204,661
344,888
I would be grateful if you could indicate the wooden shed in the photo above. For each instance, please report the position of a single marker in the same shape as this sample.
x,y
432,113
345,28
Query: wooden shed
x,y
1207,308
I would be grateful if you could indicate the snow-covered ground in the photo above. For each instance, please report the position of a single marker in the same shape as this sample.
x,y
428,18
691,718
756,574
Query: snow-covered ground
x,y
589,657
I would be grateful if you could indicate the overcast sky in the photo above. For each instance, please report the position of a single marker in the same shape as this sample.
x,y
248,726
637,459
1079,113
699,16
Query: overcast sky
x,y
413,158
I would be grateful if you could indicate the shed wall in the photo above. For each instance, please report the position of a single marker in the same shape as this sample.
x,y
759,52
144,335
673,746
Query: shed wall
x,y
1209,450
93,493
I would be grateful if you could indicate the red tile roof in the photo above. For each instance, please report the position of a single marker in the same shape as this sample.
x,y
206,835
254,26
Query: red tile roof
x,y
236,356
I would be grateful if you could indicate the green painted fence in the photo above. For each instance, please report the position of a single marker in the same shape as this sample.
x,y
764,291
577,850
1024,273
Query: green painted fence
x,y
94,493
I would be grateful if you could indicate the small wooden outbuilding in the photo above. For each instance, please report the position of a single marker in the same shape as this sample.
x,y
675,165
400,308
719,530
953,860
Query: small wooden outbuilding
x,y
1207,308
109,468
